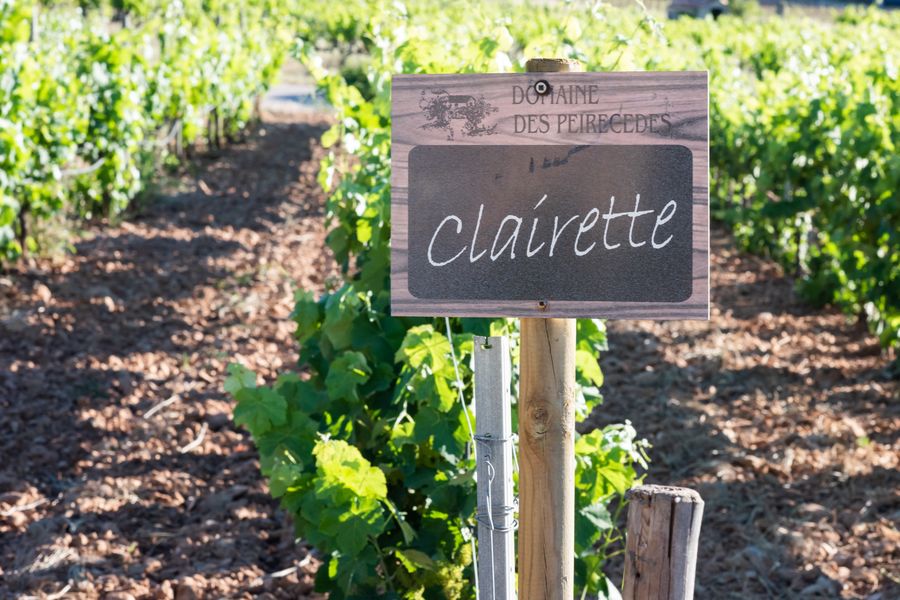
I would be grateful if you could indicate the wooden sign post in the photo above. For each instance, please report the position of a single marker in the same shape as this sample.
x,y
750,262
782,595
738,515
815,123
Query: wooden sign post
x,y
550,195
547,444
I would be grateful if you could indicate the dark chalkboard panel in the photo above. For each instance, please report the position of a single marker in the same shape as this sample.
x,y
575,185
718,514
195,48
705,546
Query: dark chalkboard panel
x,y
525,201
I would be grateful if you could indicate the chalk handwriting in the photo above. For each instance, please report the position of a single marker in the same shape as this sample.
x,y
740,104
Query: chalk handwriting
x,y
580,240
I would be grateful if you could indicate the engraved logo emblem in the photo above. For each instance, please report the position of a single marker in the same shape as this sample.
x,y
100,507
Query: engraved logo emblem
x,y
452,113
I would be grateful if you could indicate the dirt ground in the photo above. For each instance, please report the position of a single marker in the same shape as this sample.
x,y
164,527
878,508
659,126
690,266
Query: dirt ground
x,y
123,477
786,419
111,368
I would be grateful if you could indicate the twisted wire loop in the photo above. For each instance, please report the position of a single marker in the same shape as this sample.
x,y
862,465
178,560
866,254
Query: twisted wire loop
x,y
488,438
503,511
487,518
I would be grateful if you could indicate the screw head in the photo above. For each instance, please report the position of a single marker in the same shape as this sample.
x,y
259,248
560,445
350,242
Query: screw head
x,y
542,87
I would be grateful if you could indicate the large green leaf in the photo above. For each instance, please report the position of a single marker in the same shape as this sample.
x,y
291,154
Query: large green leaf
x,y
346,373
259,409
424,346
341,467
239,377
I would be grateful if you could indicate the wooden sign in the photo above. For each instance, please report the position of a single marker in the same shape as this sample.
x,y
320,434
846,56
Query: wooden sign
x,y
551,194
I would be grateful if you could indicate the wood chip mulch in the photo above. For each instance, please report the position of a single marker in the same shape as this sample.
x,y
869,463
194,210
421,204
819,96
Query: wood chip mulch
x,y
786,419
122,474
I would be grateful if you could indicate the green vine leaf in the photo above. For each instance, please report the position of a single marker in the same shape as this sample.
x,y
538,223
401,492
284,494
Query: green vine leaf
x,y
239,377
345,374
259,409
423,346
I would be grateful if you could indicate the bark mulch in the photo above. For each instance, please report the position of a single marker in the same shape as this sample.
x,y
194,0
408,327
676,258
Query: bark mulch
x,y
786,419
111,368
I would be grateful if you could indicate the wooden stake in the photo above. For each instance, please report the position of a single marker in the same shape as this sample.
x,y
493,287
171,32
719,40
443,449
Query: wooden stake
x,y
553,65
661,544
547,459
547,442
493,453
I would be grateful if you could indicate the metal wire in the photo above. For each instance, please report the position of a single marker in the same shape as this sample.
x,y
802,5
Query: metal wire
x,y
462,402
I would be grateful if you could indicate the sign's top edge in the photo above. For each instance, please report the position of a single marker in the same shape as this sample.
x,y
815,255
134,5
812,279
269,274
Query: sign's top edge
x,y
566,74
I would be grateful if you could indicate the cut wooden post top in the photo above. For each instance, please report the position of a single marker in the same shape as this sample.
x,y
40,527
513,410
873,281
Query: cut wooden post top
x,y
661,543
553,65
678,494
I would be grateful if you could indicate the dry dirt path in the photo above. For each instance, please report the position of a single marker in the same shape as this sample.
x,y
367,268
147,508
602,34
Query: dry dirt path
x,y
784,417
98,497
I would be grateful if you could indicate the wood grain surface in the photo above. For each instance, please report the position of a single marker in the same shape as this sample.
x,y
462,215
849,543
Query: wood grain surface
x,y
547,460
661,543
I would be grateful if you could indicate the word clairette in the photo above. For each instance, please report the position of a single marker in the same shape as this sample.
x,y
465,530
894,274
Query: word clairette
x,y
572,234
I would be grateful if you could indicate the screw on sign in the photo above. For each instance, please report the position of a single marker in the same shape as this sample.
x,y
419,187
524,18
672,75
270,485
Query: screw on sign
x,y
551,197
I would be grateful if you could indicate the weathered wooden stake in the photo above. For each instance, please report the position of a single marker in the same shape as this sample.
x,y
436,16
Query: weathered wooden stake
x,y
661,543
493,454
547,442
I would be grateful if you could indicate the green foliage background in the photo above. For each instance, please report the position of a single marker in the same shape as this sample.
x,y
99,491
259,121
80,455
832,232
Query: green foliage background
x,y
85,101
804,116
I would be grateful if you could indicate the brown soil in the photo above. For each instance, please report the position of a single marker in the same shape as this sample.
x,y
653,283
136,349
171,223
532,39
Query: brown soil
x,y
97,498
784,417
